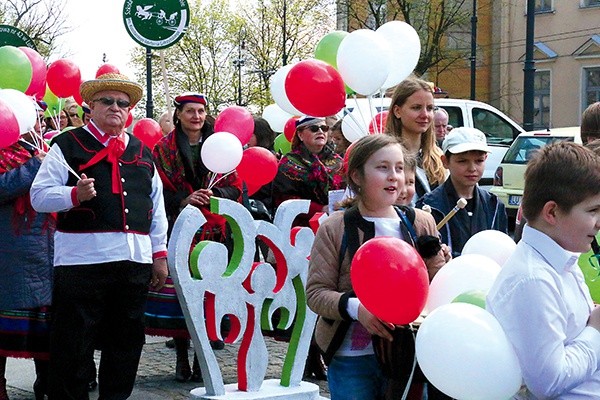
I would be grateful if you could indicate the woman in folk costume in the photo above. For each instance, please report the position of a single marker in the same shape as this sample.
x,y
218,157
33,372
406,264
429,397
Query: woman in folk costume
x,y
185,179
26,253
310,170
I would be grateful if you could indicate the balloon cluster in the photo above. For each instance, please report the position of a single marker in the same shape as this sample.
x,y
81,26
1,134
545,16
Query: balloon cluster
x,y
25,79
461,348
222,152
343,65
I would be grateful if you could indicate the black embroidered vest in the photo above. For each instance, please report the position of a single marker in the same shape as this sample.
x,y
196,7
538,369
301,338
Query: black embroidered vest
x,y
128,211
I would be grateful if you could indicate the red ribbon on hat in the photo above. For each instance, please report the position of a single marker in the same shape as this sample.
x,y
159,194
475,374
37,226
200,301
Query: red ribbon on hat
x,y
112,152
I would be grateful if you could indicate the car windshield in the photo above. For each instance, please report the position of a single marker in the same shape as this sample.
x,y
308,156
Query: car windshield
x,y
524,147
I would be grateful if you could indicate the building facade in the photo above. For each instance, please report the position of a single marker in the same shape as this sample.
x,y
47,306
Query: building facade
x,y
567,59
567,55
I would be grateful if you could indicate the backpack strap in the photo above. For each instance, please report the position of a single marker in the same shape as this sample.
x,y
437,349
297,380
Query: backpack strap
x,y
408,215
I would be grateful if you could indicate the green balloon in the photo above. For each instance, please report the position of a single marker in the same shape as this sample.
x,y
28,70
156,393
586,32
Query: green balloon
x,y
475,297
588,262
327,47
281,145
55,104
16,69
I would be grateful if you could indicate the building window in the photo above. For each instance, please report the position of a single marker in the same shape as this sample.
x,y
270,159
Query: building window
x,y
541,100
591,86
590,3
542,6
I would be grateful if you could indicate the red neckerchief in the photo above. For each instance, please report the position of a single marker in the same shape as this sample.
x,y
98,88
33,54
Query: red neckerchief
x,y
112,152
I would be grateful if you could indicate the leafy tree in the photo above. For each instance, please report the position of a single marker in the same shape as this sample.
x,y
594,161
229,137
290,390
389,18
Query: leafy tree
x,y
42,20
263,35
442,25
280,32
200,60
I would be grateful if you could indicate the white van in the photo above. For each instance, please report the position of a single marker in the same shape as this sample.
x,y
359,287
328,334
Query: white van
x,y
499,129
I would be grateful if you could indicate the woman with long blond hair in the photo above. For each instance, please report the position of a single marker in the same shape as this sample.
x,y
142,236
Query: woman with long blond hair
x,y
410,119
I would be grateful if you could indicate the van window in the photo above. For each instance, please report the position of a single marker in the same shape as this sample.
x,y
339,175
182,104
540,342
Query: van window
x,y
496,129
455,116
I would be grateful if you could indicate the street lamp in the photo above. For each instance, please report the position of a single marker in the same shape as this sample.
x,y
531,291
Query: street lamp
x,y
473,49
239,63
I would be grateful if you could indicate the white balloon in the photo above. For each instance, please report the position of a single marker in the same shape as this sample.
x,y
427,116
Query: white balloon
x,y
278,90
276,117
221,152
356,123
462,274
463,351
491,243
363,61
404,49
23,108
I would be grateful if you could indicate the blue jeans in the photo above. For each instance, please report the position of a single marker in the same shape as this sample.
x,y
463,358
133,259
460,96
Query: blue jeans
x,y
355,378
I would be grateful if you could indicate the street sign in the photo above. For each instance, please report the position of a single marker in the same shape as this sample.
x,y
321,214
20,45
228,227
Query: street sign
x,y
11,36
156,24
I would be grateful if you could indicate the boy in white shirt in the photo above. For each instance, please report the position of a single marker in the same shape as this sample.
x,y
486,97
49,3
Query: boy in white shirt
x,y
540,297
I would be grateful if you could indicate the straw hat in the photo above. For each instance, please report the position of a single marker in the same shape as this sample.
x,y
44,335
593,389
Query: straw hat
x,y
111,81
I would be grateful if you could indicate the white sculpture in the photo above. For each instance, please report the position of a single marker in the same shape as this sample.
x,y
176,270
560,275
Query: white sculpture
x,y
249,293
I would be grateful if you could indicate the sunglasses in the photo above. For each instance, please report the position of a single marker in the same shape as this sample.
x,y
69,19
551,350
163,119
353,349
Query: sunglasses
x,y
315,128
109,101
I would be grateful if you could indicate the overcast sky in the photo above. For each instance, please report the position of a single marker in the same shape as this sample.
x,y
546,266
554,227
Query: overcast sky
x,y
97,29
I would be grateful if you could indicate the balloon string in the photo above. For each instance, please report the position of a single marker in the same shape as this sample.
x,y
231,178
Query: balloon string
x,y
414,366
51,155
211,184
351,116
381,96
360,113
369,99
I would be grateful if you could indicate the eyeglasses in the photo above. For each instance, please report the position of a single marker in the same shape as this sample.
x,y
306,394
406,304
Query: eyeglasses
x,y
109,101
315,128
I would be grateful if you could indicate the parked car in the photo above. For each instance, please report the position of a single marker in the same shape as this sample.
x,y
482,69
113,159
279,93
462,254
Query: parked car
x,y
499,129
509,179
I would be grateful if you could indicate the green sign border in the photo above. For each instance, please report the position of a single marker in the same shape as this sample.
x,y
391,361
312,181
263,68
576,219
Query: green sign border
x,y
137,36
13,36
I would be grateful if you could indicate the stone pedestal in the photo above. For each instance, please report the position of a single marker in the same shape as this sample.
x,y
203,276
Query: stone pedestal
x,y
270,390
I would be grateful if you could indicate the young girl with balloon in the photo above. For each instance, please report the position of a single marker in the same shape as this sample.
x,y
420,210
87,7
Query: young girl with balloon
x,y
345,327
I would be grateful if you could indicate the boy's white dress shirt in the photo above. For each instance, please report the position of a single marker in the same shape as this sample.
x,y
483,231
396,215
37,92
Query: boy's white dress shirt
x,y
543,304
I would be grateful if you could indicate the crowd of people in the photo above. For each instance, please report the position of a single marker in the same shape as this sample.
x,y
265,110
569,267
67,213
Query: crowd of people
x,y
86,223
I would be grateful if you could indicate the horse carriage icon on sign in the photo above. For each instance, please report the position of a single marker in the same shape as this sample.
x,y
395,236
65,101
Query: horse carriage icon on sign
x,y
145,13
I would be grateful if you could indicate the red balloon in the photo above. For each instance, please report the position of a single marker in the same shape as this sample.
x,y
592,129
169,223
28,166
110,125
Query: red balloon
x,y
315,88
148,131
63,78
236,120
37,87
290,128
9,134
378,122
390,279
130,120
77,95
106,69
257,168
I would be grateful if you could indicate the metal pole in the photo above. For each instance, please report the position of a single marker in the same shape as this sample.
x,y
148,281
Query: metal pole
x,y
284,57
529,69
149,105
473,50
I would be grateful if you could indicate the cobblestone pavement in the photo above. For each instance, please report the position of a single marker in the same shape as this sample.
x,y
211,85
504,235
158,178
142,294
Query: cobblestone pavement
x,y
156,374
